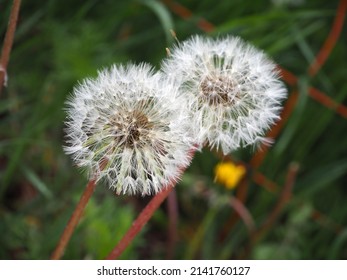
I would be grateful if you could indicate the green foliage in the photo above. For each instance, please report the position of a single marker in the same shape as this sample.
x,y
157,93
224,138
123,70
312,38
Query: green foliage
x,y
58,43
107,225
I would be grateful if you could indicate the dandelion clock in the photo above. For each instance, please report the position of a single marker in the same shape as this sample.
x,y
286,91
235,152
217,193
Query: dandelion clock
x,y
232,89
128,127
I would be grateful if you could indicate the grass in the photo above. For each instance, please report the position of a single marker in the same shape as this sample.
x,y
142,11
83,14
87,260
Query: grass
x,y
59,43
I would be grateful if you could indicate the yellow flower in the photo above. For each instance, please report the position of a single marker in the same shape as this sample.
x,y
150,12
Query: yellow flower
x,y
229,174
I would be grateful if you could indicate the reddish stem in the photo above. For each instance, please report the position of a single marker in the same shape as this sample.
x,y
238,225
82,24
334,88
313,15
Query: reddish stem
x,y
243,212
331,40
263,181
241,196
326,221
281,203
141,220
76,216
8,41
145,216
178,9
328,102
288,76
185,13
258,158
316,94
173,221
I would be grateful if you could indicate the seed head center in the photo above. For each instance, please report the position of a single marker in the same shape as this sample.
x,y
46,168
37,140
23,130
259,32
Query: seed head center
x,y
135,128
217,90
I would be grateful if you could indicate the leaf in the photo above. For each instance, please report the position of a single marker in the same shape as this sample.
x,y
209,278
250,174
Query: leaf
x,y
337,246
295,118
321,177
37,182
164,16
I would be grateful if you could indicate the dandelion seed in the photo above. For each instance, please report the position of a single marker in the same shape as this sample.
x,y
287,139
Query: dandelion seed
x,y
127,127
232,90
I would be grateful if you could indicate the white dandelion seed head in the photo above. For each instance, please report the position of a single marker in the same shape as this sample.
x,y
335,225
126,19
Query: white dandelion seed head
x,y
129,128
233,90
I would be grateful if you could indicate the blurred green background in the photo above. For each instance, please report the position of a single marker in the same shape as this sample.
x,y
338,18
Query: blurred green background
x,y
58,43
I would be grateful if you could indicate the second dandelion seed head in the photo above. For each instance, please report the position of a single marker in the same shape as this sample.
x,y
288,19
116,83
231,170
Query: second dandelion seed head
x,y
232,89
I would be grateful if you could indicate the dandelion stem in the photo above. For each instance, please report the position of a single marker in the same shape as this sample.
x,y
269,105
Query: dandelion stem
x,y
75,217
243,212
331,40
144,216
173,221
141,220
281,203
8,41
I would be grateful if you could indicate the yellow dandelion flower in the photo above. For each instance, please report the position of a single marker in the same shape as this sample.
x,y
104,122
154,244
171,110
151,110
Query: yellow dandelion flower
x,y
229,174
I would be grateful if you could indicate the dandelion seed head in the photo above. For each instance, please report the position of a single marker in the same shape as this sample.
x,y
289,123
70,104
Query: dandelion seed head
x,y
128,128
232,89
